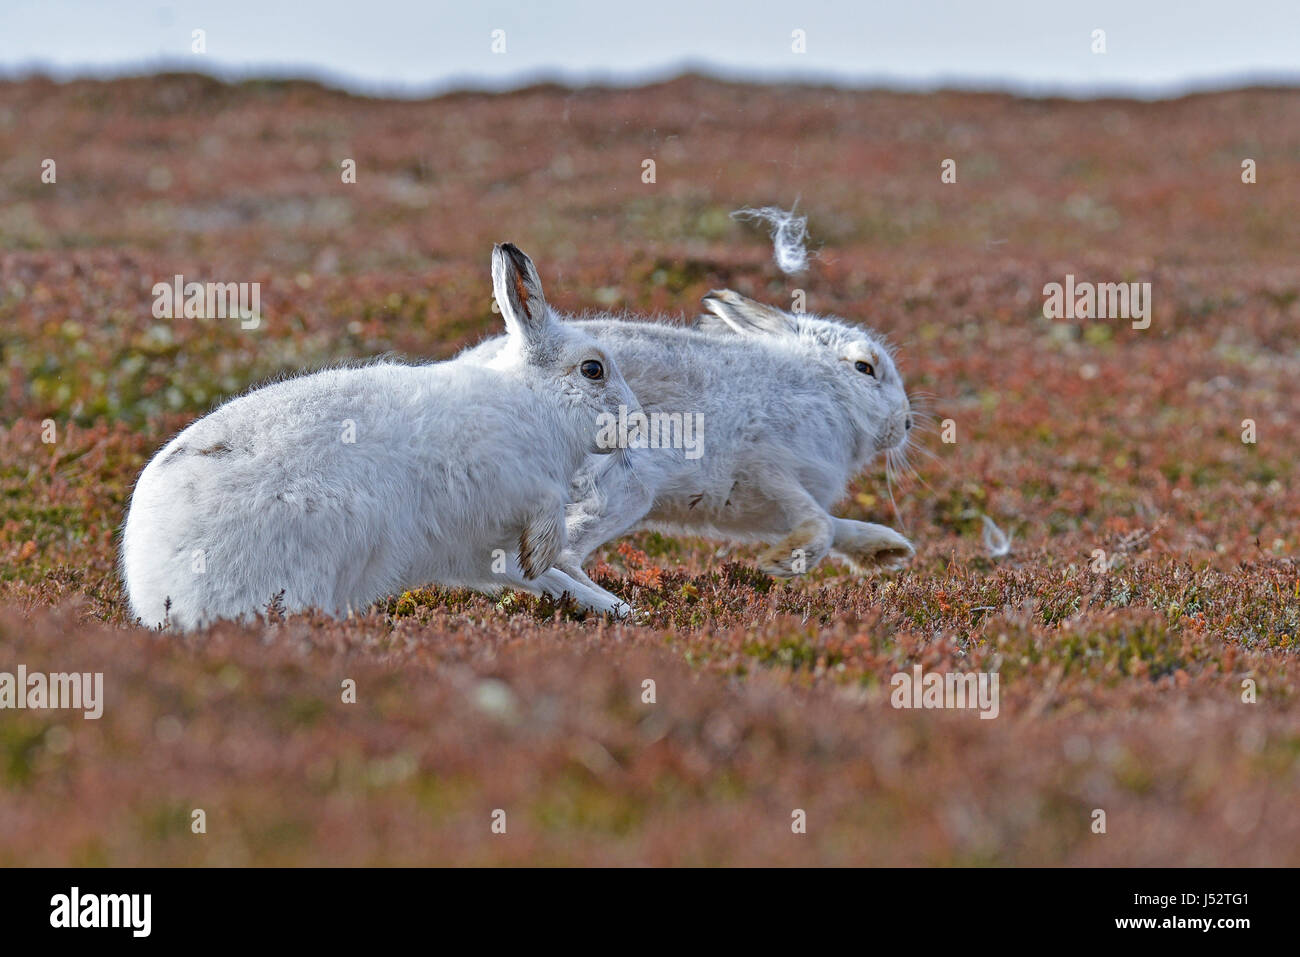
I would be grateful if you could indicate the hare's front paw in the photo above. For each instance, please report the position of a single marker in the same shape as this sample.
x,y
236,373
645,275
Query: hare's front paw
x,y
617,609
872,548
585,592
602,602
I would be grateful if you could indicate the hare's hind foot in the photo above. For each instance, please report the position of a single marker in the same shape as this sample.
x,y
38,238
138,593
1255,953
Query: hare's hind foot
x,y
799,551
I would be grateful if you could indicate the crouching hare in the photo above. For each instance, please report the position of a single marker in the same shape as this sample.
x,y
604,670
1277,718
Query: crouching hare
x,y
789,409
335,489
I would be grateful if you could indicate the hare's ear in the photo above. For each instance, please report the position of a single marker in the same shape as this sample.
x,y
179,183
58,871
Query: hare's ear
x,y
745,316
712,323
518,292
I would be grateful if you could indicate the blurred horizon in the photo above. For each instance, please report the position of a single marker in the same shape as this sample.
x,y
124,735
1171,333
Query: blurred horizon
x,y
342,83
407,49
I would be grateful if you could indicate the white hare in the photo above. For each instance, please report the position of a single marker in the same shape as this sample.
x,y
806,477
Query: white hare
x,y
791,407
335,489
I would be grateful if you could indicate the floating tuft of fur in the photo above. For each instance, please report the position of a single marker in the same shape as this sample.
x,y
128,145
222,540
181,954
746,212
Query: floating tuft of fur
x,y
996,542
789,235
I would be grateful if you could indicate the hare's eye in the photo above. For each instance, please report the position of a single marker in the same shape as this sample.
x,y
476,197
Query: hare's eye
x,y
593,369
865,367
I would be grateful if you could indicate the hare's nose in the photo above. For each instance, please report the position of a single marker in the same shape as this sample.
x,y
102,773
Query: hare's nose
x,y
909,423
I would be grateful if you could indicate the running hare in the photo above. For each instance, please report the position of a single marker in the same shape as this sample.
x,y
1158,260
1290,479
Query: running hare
x,y
791,408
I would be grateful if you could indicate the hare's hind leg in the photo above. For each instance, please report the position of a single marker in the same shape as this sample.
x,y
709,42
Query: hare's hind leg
x,y
868,547
799,551
810,535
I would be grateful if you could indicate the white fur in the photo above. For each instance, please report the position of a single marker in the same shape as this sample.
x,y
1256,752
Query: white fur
x,y
451,462
996,542
789,236
788,422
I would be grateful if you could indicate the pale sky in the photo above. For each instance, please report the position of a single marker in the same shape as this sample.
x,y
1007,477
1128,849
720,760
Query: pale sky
x,y
408,47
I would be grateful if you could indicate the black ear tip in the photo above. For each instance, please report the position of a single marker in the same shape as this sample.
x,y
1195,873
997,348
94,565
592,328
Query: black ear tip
x,y
516,256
